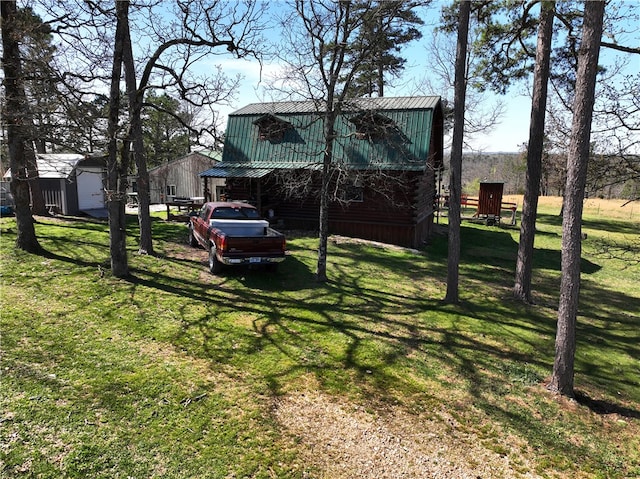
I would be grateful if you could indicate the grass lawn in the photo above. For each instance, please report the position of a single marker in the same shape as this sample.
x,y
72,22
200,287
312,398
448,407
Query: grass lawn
x,y
176,373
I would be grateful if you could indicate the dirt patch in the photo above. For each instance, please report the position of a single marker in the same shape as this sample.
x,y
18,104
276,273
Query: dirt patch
x,y
336,239
344,440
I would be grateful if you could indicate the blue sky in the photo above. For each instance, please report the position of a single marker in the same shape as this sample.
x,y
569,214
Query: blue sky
x,y
508,135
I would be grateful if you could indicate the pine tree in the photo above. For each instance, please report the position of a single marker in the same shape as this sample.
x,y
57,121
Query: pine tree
x,y
386,28
563,366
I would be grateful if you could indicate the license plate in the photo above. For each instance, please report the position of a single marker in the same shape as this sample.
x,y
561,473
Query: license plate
x,y
254,260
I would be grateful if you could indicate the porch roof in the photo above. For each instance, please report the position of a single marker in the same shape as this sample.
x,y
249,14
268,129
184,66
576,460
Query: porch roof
x,y
235,172
248,170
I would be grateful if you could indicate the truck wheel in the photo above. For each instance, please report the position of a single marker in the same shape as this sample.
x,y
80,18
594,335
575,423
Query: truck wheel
x,y
192,239
215,266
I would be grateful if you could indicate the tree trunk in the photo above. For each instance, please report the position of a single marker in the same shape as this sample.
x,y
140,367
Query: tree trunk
x,y
329,134
117,170
38,206
379,61
136,136
455,171
333,104
27,127
144,202
524,263
16,118
578,156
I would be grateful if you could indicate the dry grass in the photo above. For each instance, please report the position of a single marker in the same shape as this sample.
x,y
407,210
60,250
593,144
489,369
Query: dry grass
x,y
340,437
593,207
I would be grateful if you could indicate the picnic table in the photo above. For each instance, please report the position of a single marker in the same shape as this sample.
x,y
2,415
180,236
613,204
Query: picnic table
x,y
185,207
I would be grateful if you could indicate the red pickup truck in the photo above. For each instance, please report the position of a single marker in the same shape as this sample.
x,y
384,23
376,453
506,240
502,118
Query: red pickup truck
x,y
234,234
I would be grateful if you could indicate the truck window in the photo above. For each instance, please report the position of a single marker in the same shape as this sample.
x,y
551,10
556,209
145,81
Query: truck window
x,y
204,212
250,213
235,213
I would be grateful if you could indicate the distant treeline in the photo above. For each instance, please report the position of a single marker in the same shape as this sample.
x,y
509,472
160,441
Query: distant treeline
x,y
607,179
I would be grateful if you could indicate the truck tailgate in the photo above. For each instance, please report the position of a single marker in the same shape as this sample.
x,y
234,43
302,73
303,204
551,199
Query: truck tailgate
x,y
252,245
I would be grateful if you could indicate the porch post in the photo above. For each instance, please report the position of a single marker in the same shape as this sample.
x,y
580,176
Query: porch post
x,y
259,193
206,189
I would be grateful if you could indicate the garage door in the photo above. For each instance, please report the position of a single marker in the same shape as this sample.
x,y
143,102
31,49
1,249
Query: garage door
x,y
90,190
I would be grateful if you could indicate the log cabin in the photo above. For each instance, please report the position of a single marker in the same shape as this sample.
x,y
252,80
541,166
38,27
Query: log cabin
x,y
387,160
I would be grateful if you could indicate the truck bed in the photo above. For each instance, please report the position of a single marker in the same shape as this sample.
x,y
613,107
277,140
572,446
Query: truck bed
x,y
234,228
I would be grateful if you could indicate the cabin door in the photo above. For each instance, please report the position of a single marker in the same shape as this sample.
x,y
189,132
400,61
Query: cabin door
x,y
90,189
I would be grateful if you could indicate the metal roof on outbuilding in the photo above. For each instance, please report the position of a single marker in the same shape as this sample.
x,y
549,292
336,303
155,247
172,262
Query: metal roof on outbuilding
x,y
55,165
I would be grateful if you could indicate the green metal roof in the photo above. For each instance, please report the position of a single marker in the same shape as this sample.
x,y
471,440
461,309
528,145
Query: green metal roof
x,y
354,105
406,148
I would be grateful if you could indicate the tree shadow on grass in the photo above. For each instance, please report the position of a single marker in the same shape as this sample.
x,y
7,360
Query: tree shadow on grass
x,y
605,407
365,333
169,230
380,343
494,247
342,305
379,329
604,224
390,342
356,317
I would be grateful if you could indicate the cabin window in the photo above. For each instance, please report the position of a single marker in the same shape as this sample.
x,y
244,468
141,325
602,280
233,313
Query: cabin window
x,y
272,128
220,192
353,192
373,126
171,190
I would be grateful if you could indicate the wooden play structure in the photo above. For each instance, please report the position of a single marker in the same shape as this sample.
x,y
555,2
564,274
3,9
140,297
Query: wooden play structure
x,y
488,205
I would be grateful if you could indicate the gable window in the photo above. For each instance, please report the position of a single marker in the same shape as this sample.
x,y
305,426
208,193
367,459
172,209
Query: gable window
x,y
373,126
271,128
